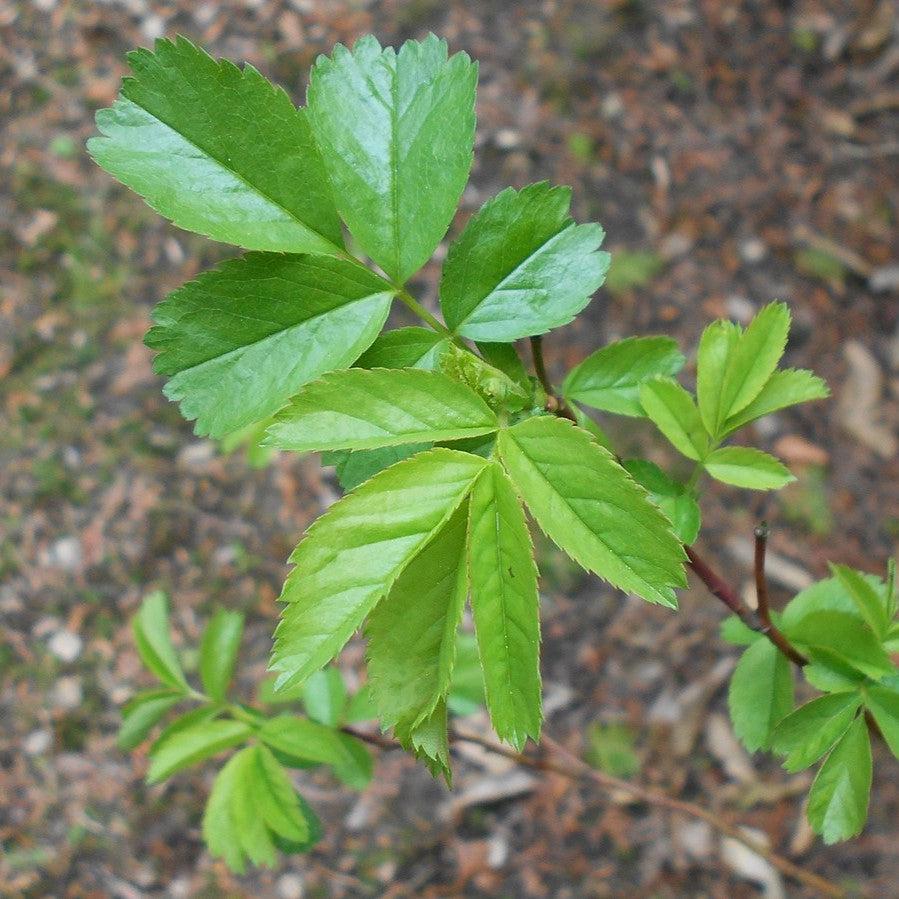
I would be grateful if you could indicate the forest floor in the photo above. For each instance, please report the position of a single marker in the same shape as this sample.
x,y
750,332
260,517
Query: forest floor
x,y
734,152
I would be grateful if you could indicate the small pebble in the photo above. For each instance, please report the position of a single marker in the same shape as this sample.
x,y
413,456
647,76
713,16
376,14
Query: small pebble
x,y
65,645
290,886
67,693
64,554
37,742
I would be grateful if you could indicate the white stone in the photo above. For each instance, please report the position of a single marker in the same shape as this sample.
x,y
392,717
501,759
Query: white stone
x,y
37,742
290,886
65,645
67,693
64,554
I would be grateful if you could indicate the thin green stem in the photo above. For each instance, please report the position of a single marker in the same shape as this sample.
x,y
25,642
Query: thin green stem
x,y
408,300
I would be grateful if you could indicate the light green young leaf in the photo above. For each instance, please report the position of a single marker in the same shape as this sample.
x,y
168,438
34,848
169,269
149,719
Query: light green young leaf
x,y
591,508
353,554
186,721
745,466
521,266
355,467
361,706
505,357
715,347
396,131
737,633
751,361
324,696
412,632
154,645
310,742
504,601
674,413
194,744
843,635
275,798
760,694
868,600
493,385
838,800
239,340
142,712
466,695
806,734
825,595
610,378
218,150
218,651
585,422
784,388
672,497
883,704
256,840
405,348
220,832
429,741
369,408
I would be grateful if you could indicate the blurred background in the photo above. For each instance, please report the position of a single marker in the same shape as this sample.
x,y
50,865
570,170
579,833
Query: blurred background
x,y
734,151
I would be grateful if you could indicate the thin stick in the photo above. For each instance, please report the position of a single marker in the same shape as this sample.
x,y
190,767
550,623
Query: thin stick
x,y
567,764
554,403
768,628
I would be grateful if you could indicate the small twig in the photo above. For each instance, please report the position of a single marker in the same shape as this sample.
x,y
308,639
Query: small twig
x,y
567,764
554,403
768,628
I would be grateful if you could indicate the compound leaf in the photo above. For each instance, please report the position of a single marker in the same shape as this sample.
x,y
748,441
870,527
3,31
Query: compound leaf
x,y
745,466
239,340
218,150
674,413
154,644
218,651
591,508
194,744
760,694
412,631
353,554
806,734
370,408
610,378
396,130
521,266
504,601
838,799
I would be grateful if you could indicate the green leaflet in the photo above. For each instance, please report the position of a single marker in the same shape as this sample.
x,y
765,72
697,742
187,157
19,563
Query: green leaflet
x,y
504,601
784,388
760,694
324,696
806,734
838,800
154,645
353,554
396,130
310,742
194,744
591,508
745,466
673,498
369,408
740,363
218,651
405,348
412,631
220,831
504,357
521,266
883,704
240,339
355,467
142,712
610,378
218,150
276,798
674,413
256,840
429,741
868,600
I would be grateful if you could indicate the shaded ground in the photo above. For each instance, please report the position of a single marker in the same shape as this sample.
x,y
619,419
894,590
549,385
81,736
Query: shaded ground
x,y
734,152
